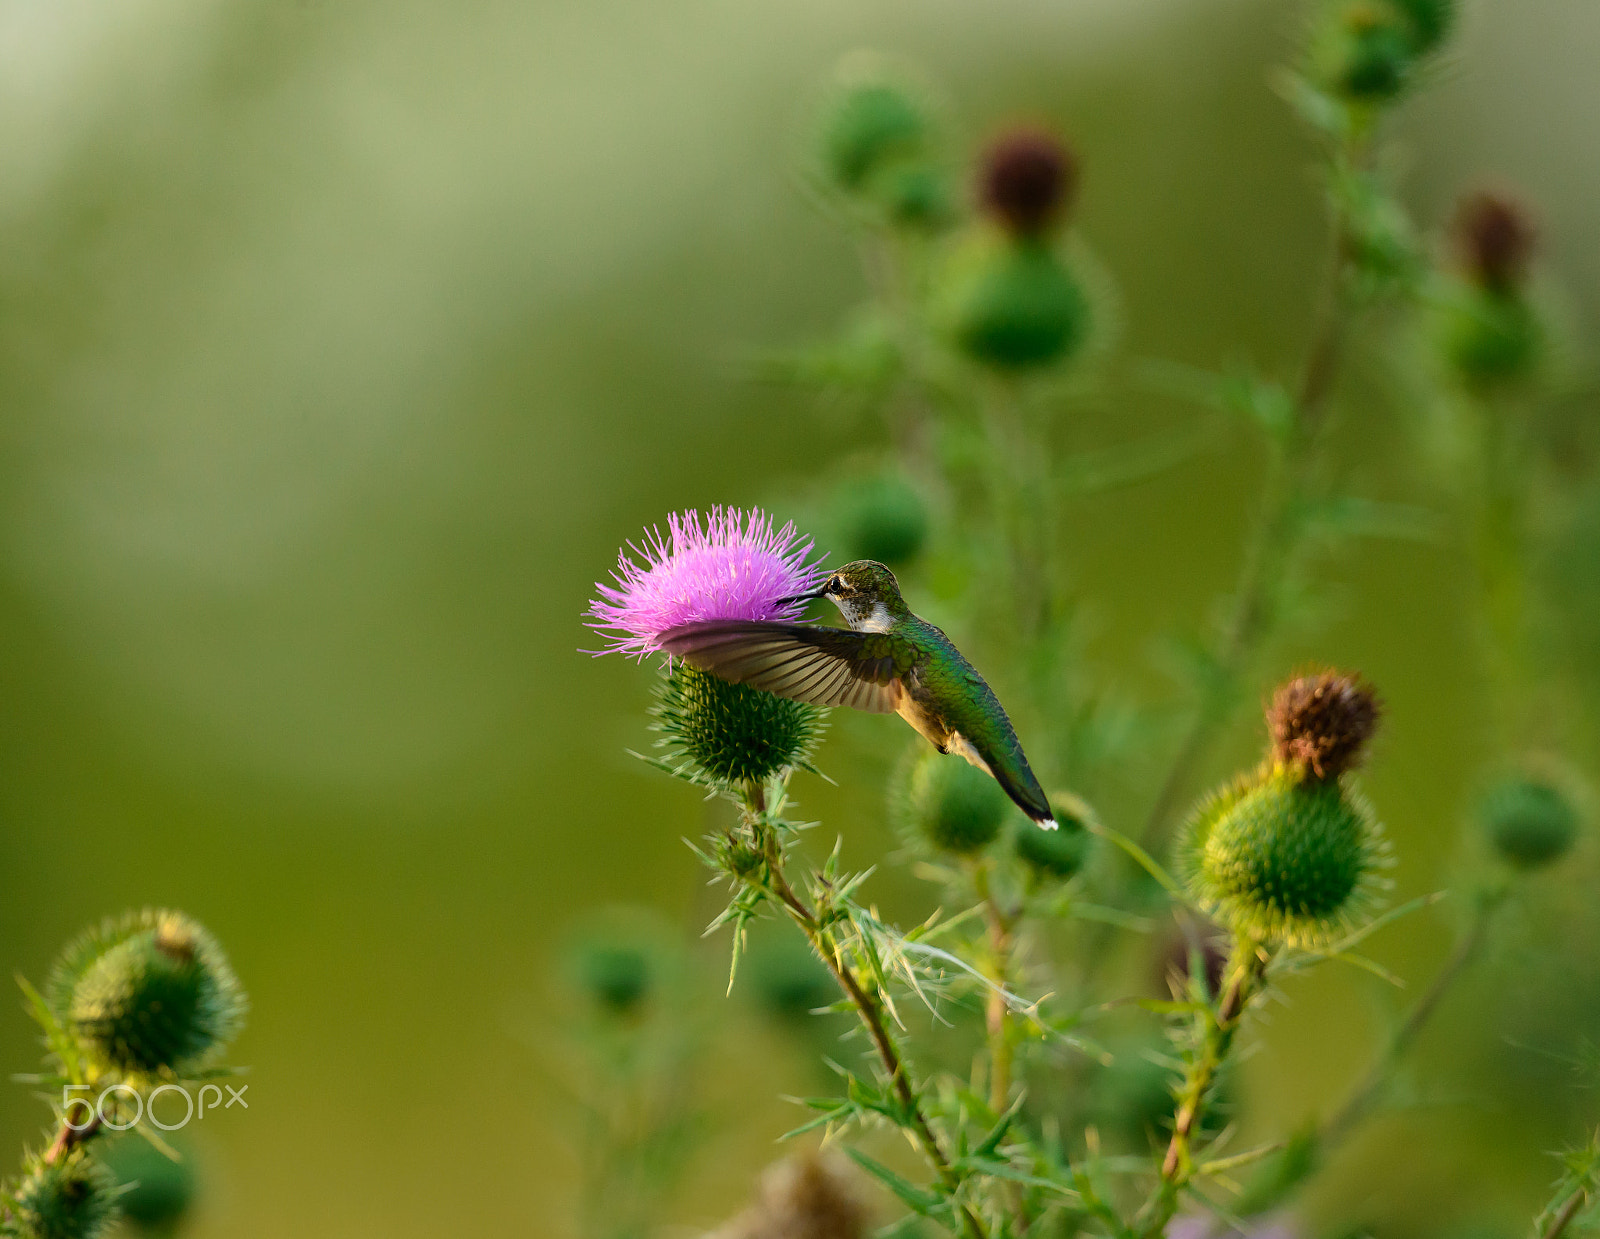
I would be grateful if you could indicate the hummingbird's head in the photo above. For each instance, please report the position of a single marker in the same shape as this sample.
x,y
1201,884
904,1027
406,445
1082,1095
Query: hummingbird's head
x,y
866,593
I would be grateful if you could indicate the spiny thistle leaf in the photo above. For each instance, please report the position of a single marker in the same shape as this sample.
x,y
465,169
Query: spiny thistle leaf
x,y
919,1201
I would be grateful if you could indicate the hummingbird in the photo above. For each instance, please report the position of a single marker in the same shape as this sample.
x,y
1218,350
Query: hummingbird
x,y
889,661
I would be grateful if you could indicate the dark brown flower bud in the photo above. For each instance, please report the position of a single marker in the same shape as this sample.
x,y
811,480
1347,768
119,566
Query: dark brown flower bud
x,y
1322,722
1027,181
1495,237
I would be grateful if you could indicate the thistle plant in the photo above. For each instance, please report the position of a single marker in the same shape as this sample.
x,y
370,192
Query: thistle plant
x,y
135,1006
628,1067
1291,854
1039,1088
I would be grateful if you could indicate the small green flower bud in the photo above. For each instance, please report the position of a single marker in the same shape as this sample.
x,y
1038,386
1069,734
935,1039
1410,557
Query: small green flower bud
x,y
72,1198
1431,22
916,195
1488,331
1378,58
155,1190
1369,49
730,734
952,805
618,976
1027,180
868,126
1530,823
738,855
1013,305
149,995
882,517
1056,854
621,959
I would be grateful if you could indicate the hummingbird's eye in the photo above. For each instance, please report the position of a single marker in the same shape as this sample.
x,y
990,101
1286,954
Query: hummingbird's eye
x,y
836,585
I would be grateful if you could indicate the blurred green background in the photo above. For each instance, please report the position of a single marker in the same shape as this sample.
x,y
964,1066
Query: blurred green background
x,y
342,342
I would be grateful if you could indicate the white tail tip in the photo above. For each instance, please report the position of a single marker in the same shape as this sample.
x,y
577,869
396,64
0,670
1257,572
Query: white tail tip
x,y
1048,823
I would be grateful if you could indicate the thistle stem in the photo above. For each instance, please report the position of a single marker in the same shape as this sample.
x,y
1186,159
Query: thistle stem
x,y
868,1009
1570,1210
69,1138
1002,943
1246,971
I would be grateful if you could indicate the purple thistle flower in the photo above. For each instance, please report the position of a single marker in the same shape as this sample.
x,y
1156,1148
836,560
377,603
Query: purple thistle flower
x,y
734,565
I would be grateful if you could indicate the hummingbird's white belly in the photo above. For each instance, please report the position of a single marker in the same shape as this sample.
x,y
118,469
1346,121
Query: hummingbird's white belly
x,y
958,743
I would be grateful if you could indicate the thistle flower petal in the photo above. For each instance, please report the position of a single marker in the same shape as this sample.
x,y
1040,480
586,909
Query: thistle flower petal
x,y
731,565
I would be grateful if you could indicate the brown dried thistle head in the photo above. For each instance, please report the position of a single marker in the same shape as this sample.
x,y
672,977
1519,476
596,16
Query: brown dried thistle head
x,y
1494,235
1027,179
811,1196
1322,722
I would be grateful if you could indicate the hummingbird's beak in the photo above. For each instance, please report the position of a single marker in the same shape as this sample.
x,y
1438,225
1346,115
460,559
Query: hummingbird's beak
x,y
816,593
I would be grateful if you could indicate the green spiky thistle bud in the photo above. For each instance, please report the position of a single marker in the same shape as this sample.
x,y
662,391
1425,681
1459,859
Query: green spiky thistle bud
x,y
149,995
1056,855
881,517
1431,22
1376,53
1530,822
728,735
1290,854
74,1197
916,195
623,958
156,1190
1489,337
951,805
1488,331
1010,303
870,124
1368,50
617,975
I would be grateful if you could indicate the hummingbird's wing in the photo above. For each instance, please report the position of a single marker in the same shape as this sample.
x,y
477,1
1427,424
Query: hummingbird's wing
x,y
824,666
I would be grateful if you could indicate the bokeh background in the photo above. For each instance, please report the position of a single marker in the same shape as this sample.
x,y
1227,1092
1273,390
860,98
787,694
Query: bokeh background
x,y
342,342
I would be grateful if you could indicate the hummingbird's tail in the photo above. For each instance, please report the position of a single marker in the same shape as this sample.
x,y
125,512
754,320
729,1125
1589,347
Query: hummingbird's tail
x,y
1025,791
1015,777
